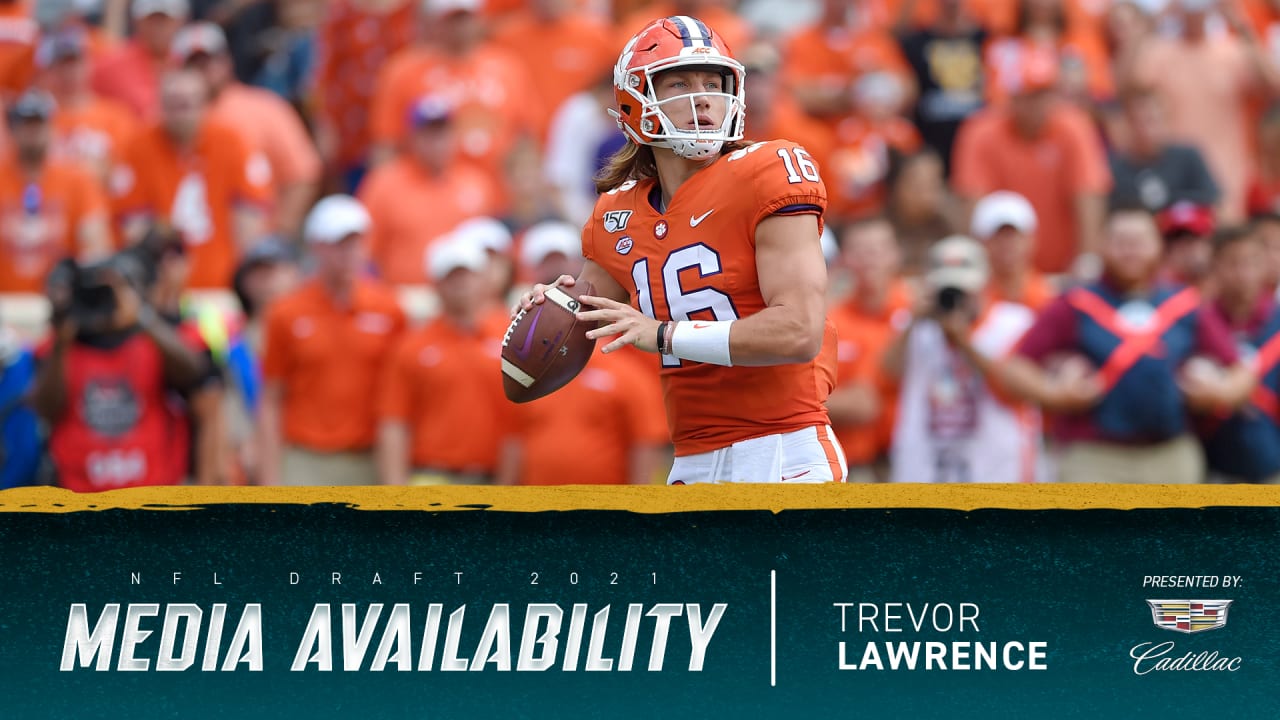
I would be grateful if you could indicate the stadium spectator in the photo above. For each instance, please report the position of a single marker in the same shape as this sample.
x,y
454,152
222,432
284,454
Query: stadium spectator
x,y
1044,27
614,406
325,350
104,379
49,209
267,124
864,144
1046,150
578,130
1124,385
495,238
197,176
954,424
529,199
267,272
1264,184
920,206
864,403
19,34
490,91
131,73
353,41
567,46
422,194
1187,230
1005,223
823,60
1149,169
440,404
89,129
771,109
21,447
1205,81
1245,447
946,59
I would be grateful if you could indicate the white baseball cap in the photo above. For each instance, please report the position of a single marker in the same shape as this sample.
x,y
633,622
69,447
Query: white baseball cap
x,y
177,9
959,262
196,38
455,252
491,234
546,238
335,218
444,7
1002,208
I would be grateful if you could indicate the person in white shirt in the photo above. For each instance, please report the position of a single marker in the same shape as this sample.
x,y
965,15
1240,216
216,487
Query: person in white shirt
x,y
952,425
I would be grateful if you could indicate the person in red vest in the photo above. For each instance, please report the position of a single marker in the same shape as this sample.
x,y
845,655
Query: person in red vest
x,y
104,379
1155,354
1245,446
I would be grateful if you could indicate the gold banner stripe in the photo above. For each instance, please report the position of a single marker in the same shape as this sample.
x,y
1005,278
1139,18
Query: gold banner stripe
x,y
660,499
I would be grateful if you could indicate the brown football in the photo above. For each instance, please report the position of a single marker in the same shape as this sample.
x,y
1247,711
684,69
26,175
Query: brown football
x,y
547,346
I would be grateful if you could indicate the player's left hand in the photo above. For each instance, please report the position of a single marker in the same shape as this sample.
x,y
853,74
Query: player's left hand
x,y
630,325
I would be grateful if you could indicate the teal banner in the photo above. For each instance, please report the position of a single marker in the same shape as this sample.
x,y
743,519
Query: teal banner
x,y
334,611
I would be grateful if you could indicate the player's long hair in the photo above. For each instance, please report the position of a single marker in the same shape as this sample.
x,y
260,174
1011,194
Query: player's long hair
x,y
635,162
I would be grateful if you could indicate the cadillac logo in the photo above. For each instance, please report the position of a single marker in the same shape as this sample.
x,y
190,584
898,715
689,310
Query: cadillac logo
x,y
1189,616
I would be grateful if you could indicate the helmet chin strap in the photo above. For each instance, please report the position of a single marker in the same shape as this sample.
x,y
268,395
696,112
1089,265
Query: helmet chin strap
x,y
695,149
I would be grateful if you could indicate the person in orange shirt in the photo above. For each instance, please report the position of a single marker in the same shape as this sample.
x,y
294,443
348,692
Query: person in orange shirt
x,y
268,124
353,41
823,60
1042,26
88,129
878,308
1049,152
199,176
326,345
614,407
495,106
423,194
1005,223
717,245
49,209
19,33
565,45
129,74
439,409
865,145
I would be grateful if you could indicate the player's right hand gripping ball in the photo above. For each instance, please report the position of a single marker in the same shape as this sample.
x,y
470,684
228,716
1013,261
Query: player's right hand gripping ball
x,y
547,346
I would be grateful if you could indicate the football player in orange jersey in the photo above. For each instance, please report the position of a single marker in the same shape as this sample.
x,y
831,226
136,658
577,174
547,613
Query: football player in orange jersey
x,y
715,244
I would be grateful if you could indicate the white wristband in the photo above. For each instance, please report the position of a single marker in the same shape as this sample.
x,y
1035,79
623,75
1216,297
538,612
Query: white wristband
x,y
705,342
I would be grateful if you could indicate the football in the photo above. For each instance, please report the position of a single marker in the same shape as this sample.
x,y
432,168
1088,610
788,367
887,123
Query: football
x,y
547,346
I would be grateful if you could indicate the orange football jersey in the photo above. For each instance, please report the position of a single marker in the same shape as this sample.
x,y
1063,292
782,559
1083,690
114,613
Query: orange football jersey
x,y
697,261
196,192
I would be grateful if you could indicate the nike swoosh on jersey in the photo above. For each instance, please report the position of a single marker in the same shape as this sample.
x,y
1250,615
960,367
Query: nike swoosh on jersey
x,y
797,475
694,221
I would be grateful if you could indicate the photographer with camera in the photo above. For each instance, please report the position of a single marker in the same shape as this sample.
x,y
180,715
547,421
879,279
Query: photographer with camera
x,y
105,377
953,423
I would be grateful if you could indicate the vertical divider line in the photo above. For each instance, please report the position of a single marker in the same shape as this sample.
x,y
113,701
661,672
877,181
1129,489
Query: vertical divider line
x,y
773,628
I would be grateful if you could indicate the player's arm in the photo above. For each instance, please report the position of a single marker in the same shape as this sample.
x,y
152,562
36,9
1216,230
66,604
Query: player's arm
x,y
793,283
393,452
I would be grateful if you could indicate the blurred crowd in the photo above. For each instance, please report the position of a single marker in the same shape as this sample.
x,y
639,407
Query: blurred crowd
x,y
273,241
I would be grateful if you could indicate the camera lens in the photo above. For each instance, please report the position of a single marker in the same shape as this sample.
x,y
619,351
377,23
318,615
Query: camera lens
x,y
950,298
